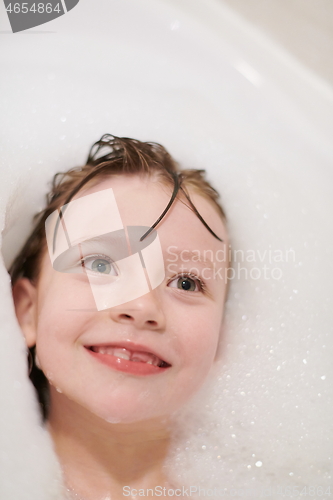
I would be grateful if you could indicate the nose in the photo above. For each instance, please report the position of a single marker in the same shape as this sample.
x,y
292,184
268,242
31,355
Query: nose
x,y
145,312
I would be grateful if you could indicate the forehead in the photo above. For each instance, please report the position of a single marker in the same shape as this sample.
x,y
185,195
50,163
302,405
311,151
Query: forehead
x,y
140,200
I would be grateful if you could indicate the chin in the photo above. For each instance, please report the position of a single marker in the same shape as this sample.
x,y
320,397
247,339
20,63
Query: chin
x,y
133,411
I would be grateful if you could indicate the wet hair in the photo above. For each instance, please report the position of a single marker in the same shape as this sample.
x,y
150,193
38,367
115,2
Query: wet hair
x,y
109,156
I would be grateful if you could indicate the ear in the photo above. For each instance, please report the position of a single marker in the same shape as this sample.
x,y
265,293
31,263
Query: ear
x,y
25,301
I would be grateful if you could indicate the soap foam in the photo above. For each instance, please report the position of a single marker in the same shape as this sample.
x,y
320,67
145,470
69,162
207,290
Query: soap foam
x,y
264,418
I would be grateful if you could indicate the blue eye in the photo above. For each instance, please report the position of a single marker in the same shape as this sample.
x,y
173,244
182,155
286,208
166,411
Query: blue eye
x,y
188,283
99,265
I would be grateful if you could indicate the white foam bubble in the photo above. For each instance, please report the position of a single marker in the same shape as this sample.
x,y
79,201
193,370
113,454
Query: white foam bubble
x,y
154,72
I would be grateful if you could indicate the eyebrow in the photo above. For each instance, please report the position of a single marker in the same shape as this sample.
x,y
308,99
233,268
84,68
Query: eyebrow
x,y
189,254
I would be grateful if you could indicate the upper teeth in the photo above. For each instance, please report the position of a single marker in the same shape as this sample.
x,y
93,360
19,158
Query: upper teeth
x,y
137,356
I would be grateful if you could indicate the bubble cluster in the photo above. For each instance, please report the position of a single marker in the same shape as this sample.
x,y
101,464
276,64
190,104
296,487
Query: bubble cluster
x,y
264,416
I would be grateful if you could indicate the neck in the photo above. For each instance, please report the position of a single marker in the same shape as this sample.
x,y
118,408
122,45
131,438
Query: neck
x,y
99,458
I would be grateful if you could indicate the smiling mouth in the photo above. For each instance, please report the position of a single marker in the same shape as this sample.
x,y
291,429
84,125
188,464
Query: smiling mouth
x,y
132,356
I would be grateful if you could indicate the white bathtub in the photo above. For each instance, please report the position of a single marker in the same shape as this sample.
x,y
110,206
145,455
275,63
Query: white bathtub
x,y
191,75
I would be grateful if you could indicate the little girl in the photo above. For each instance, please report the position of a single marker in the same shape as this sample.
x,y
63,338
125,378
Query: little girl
x,y
120,297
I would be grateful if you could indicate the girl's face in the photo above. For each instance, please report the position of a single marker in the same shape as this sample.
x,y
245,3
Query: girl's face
x,y
143,358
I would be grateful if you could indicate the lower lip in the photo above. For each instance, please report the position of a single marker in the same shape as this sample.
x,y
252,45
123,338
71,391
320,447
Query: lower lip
x,y
125,366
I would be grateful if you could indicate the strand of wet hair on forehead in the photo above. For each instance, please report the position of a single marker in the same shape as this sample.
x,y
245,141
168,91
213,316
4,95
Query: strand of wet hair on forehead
x,y
192,206
178,177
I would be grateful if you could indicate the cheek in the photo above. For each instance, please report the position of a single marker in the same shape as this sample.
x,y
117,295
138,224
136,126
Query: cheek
x,y
54,338
64,296
200,333
199,340
62,313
